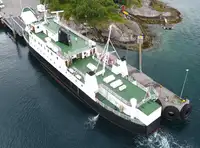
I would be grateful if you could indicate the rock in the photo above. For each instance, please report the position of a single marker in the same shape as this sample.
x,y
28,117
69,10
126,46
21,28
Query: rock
x,y
124,32
146,10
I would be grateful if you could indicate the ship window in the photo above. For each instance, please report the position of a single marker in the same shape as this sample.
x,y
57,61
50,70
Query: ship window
x,y
38,27
51,53
48,50
57,58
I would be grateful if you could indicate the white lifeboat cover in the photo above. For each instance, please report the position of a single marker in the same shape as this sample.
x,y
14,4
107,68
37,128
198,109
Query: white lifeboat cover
x,y
28,17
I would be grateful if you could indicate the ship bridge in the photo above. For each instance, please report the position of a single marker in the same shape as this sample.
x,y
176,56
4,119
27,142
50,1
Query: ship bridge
x,y
68,42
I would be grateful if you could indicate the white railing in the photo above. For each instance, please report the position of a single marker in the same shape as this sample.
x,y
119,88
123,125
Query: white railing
x,y
78,51
97,60
152,97
79,72
155,92
115,94
120,114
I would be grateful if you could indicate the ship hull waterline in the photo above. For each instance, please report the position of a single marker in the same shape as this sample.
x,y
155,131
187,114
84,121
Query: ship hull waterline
x,y
81,96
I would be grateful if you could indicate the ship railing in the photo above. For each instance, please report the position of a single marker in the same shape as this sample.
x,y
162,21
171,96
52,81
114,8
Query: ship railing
x,y
129,78
79,72
141,86
155,92
115,94
97,60
78,51
120,114
151,97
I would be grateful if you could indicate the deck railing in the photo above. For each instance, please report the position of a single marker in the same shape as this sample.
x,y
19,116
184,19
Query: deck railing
x,y
120,114
151,97
115,94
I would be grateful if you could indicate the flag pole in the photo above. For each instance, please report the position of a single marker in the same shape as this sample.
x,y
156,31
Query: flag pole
x,y
187,70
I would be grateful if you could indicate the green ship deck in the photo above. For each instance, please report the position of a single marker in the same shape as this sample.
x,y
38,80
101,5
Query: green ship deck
x,y
78,44
131,91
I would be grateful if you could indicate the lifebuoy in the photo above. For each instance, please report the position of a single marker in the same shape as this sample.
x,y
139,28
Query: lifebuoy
x,y
185,111
171,113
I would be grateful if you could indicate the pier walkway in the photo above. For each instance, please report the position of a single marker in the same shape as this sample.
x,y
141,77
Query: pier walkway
x,y
15,24
166,97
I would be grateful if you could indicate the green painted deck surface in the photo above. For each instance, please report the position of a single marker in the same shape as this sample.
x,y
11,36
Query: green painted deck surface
x,y
41,35
78,44
52,26
149,107
131,91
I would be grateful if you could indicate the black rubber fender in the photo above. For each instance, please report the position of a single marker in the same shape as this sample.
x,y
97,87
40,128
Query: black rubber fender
x,y
171,113
186,111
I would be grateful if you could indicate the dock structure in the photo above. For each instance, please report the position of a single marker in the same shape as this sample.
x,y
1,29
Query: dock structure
x,y
10,15
15,24
172,105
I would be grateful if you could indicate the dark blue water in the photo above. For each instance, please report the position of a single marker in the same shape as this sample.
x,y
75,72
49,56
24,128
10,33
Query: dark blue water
x,y
35,112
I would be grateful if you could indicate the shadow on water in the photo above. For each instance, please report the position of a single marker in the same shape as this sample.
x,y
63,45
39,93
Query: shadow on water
x,y
19,41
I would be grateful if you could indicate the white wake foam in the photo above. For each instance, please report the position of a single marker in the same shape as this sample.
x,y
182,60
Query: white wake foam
x,y
159,140
91,122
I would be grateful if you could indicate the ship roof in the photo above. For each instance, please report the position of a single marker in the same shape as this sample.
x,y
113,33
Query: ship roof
x,y
131,91
78,43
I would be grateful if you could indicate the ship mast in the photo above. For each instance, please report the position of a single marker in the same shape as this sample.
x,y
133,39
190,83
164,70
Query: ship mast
x,y
105,52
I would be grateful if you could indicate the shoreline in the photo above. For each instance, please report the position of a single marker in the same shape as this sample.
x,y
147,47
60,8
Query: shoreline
x,y
142,22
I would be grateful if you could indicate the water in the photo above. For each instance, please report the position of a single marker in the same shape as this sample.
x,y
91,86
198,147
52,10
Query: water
x,y
36,112
91,122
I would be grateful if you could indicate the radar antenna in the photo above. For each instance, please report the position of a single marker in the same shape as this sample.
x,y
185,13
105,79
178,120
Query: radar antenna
x,y
57,14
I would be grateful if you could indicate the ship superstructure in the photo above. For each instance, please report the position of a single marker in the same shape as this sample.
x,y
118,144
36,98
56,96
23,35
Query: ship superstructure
x,y
97,76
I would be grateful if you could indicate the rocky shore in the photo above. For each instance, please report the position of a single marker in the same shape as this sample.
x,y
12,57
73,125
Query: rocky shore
x,y
124,35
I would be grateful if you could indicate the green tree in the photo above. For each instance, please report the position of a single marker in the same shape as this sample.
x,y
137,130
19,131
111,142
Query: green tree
x,y
94,12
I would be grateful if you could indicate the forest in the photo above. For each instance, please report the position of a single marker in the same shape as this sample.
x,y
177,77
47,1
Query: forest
x,y
92,12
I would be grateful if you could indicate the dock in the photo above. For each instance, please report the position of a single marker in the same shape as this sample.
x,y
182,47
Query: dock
x,y
173,106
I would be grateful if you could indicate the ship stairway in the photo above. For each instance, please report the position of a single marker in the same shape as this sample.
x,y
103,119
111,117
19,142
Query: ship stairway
x,y
15,24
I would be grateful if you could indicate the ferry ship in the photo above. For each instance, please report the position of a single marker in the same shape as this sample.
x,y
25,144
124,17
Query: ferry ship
x,y
94,75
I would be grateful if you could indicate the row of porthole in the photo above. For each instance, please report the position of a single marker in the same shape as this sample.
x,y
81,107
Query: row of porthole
x,y
41,46
47,56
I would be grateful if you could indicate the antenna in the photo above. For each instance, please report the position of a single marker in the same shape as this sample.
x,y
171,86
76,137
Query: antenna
x,y
57,14
187,70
